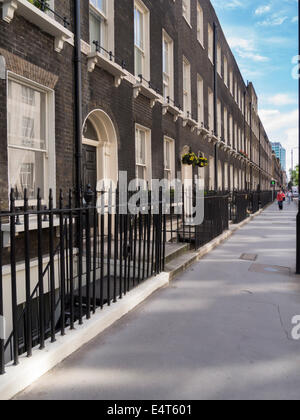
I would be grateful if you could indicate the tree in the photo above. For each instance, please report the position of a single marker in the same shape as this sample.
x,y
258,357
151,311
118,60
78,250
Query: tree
x,y
295,176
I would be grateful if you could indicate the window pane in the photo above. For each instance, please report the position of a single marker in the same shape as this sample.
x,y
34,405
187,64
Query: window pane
x,y
27,117
139,28
166,57
139,59
95,31
141,172
99,4
167,151
26,138
26,169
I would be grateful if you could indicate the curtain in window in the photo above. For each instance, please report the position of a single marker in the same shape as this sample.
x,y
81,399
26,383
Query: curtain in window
x,y
26,138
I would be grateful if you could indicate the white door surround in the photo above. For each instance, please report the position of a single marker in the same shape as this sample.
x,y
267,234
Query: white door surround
x,y
107,145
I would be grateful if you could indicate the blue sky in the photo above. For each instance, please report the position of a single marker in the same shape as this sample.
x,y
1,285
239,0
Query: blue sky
x,y
264,38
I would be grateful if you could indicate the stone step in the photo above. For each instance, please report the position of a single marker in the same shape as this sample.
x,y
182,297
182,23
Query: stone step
x,y
173,251
181,263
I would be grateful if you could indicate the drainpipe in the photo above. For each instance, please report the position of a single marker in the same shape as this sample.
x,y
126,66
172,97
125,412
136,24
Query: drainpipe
x,y
215,104
78,101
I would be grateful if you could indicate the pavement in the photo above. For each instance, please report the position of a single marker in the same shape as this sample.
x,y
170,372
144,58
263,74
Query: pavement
x,y
222,330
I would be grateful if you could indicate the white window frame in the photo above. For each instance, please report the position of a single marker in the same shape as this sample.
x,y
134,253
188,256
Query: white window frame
x,y
219,116
108,32
170,76
219,60
211,120
145,51
200,25
210,47
225,71
200,99
170,170
186,11
211,173
49,152
231,130
148,153
226,125
187,97
236,136
226,183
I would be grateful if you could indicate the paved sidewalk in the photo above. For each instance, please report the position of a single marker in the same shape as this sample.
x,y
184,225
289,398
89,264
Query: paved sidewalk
x,y
220,331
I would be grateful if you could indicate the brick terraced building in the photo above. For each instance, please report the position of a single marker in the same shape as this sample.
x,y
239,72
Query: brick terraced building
x,y
196,98
117,85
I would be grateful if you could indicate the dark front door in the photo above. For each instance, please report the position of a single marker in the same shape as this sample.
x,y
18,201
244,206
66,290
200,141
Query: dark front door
x,y
89,167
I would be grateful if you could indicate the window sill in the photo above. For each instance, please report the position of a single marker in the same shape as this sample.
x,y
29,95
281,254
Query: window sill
x,y
173,110
213,139
34,15
201,44
187,22
222,145
33,226
111,67
202,131
142,89
226,148
189,122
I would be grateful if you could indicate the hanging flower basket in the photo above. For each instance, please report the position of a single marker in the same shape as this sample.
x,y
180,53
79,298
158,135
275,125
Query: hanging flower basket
x,y
202,162
192,159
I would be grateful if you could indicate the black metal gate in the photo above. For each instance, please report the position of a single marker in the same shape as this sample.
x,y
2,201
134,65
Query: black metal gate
x,y
86,258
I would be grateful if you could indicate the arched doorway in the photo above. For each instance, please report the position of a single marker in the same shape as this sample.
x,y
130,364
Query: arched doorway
x,y
100,149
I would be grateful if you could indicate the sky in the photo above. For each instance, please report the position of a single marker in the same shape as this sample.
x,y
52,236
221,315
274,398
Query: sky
x,y
263,36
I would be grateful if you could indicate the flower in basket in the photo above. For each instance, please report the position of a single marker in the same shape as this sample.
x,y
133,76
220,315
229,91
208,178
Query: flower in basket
x,y
40,5
190,159
202,162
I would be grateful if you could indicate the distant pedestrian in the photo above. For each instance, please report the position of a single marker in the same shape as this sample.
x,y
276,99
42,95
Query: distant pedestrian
x,y
289,197
280,199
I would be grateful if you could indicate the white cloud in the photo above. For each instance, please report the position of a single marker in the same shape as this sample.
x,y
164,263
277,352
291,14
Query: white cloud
x,y
295,19
274,20
232,4
282,99
262,10
267,113
245,48
282,127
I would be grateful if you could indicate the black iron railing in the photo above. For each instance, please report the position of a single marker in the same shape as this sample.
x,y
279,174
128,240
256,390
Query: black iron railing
x,y
149,83
243,204
180,223
151,86
44,6
110,55
79,260
171,101
86,258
